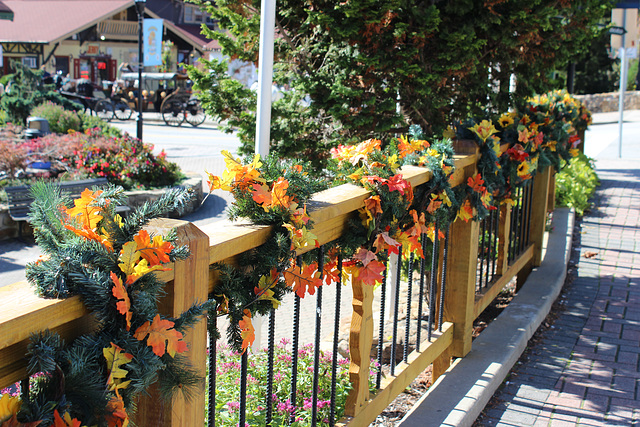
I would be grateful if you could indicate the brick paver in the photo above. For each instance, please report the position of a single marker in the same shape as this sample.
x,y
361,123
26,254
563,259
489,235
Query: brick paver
x,y
585,371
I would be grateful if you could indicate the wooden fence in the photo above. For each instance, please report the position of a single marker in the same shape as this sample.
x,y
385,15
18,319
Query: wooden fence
x,y
22,313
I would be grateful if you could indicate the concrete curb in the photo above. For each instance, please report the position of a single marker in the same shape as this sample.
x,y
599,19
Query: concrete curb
x,y
458,396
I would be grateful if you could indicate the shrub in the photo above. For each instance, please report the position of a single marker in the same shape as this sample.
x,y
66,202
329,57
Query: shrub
x,y
93,122
228,372
575,184
124,161
60,120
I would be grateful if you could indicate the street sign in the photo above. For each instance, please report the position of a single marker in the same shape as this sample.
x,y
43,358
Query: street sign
x,y
628,5
617,31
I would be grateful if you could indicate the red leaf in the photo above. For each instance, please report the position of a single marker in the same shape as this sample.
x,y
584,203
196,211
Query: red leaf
x,y
248,333
371,273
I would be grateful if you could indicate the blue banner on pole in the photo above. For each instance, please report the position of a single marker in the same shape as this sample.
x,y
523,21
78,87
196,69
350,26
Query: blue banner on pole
x,y
152,33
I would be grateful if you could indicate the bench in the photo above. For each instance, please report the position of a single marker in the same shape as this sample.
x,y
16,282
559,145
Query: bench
x,y
20,199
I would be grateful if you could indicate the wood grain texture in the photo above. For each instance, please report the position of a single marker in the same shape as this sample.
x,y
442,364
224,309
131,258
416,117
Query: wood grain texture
x,y
190,286
360,341
391,387
539,213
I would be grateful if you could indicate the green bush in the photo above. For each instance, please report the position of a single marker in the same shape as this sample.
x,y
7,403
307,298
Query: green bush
x,y
93,122
575,184
60,120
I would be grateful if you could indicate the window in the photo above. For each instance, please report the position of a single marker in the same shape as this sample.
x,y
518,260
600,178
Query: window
x,y
193,15
62,64
30,61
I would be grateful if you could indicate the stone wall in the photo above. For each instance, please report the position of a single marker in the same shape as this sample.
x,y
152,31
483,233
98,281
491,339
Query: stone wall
x,y
608,102
9,228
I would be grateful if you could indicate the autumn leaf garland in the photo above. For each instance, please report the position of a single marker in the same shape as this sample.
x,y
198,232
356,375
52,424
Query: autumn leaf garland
x,y
109,261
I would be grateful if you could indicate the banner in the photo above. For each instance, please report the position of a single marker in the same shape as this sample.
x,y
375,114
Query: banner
x,y
152,36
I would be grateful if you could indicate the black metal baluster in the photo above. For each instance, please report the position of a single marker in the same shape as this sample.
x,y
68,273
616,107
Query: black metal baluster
x,y
392,361
316,354
512,225
272,344
294,356
336,333
529,213
243,387
523,214
423,262
443,279
211,421
481,254
434,280
407,322
490,248
518,236
383,301
496,226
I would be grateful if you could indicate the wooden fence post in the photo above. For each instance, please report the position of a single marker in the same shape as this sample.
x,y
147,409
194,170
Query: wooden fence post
x,y
504,230
461,283
540,201
190,286
360,341
551,200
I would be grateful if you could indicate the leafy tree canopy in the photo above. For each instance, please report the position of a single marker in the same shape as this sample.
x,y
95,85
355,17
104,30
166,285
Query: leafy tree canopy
x,y
370,68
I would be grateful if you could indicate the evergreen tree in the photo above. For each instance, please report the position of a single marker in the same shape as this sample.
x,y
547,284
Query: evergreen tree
x,y
371,68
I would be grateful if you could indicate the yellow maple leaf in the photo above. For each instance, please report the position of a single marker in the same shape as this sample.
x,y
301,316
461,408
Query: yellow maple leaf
x,y
84,209
465,212
264,289
116,357
128,258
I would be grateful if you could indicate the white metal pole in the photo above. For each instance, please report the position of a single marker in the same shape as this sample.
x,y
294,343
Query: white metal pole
x,y
265,75
623,87
623,81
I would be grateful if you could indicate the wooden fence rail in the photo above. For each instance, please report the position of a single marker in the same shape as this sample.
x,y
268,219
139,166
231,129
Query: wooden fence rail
x,y
22,313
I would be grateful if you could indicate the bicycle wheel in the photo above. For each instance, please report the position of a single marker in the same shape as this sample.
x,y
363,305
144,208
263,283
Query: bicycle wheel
x,y
122,110
104,110
194,113
172,112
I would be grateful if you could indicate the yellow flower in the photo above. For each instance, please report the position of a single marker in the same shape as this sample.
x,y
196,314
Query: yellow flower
x,y
574,152
9,406
484,129
505,120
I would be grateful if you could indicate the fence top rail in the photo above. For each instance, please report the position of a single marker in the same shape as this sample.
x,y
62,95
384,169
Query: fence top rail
x,y
22,312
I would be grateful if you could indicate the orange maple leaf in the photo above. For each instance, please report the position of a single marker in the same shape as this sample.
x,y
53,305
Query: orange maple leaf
x,y
261,195
476,183
279,195
124,303
303,279
155,251
162,338
331,273
59,421
90,234
371,273
116,414
247,332
84,210
434,204
373,205
466,211
384,241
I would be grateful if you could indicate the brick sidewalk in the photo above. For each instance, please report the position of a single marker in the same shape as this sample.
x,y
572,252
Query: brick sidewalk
x,y
585,370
